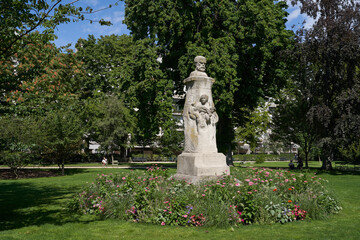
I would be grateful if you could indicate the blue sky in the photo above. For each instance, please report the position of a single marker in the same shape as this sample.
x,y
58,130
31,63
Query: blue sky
x,y
71,32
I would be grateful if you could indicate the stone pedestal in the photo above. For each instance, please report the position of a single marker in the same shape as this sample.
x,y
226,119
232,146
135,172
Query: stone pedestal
x,y
196,167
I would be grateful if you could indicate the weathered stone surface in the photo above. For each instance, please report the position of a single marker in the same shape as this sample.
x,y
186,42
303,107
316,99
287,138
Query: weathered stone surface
x,y
200,159
199,114
196,167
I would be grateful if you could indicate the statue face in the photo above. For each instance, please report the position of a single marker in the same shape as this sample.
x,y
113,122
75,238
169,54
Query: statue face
x,y
200,66
203,100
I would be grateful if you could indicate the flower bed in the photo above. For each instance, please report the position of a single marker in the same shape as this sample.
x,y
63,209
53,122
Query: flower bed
x,y
245,197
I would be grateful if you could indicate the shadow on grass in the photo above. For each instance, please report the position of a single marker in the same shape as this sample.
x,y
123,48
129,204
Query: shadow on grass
x,y
27,204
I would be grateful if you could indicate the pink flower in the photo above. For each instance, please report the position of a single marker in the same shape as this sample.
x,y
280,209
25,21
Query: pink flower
x,y
251,183
247,180
185,216
294,179
123,178
286,180
249,192
162,223
305,181
237,184
203,195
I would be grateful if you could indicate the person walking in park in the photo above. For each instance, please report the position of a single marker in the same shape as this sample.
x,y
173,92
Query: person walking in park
x,y
104,161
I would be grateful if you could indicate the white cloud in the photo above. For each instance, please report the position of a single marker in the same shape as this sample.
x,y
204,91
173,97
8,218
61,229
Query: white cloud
x,y
296,18
118,17
294,14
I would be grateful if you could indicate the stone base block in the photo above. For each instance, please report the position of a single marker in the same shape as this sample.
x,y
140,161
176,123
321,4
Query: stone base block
x,y
196,167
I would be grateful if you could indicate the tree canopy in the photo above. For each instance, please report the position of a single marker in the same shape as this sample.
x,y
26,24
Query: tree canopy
x,y
243,42
326,77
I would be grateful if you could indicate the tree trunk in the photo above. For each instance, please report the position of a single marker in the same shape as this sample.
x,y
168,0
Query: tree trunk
x,y
63,168
122,153
224,138
229,158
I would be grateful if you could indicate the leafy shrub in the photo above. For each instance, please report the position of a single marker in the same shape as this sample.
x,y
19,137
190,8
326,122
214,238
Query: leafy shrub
x,y
251,196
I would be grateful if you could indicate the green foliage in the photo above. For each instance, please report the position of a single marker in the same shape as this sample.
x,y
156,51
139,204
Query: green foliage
x,y
62,135
22,17
260,159
171,141
131,70
258,122
37,78
327,74
266,157
112,125
290,122
18,141
254,196
351,152
242,41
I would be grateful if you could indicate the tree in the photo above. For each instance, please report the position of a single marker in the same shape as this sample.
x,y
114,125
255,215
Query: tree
x,y
290,123
24,24
41,85
38,77
18,141
19,18
63,134
242,41
130,69
113,126
171,140
329,57
257,124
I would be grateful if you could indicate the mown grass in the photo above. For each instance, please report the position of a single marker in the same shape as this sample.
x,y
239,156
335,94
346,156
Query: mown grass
x,y
36,209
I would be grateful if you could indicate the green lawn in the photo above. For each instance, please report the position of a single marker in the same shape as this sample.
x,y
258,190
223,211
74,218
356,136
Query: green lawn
x,y
35,209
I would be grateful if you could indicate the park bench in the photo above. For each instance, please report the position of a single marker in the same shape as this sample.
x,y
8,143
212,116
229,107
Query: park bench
x,y
115,162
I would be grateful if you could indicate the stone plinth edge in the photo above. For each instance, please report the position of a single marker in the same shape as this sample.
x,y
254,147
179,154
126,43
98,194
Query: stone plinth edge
x,y
197,167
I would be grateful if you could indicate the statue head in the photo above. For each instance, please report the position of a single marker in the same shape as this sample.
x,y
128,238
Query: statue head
x,y
203,99
200,62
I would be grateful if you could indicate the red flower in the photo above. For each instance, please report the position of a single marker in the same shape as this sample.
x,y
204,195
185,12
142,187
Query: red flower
x,y
275,189
289,201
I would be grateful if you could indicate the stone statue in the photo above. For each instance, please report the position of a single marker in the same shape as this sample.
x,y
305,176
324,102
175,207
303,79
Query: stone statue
x,y
200,159
200,68
199,114
203,113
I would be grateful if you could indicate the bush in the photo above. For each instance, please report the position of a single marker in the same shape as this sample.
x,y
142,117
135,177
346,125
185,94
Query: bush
x,y
266,157
254,196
